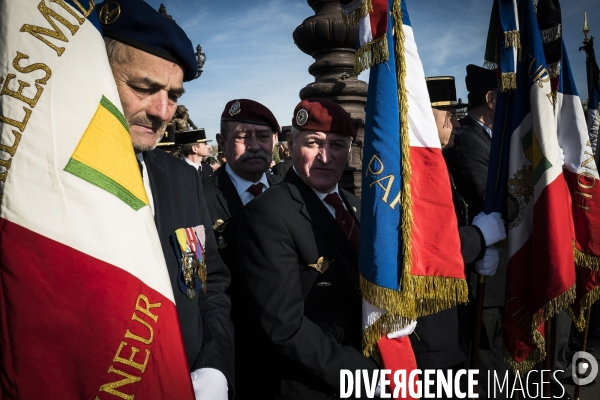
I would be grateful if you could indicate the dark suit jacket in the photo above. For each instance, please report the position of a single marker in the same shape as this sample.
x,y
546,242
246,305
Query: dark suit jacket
x,y
310,321
179,203
282,168
224,203
468,163
206,170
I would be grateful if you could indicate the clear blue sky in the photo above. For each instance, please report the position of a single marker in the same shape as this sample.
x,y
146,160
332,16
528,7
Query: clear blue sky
x,y
251,53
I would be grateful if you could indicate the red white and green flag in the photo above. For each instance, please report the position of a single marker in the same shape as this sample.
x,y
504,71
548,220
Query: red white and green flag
x,y
526,183
86,305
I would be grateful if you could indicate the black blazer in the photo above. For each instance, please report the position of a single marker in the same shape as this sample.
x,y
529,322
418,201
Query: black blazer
x,y
225,204
310,321
282,168
179,203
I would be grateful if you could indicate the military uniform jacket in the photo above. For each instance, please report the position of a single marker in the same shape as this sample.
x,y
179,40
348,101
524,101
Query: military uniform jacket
x,y
225,204
468,162
310,320
179,203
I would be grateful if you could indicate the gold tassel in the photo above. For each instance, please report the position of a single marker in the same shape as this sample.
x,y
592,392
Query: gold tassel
x,y
549,310
512,39
586,260
371,53
353,12
585,303
508,81
388,322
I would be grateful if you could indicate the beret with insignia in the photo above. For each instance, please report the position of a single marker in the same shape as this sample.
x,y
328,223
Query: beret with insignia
x,y
322,115
250,112
479,78
137,24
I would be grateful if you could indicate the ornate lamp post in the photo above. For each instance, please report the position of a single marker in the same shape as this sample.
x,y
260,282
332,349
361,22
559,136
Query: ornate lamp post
x,y
332,44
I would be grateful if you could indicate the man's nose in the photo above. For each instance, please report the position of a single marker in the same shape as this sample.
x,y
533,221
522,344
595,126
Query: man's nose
x,y
324,155
252,143
159,106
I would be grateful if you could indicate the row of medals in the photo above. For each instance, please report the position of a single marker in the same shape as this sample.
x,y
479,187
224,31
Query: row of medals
x,y
191,268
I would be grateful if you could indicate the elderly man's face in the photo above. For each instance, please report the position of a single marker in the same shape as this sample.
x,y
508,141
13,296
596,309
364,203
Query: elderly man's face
x,y
319,158
149,88
447,123
248,149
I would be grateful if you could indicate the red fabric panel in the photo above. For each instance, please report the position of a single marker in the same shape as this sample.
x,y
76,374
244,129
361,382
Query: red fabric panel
x,y
63,316
541,270
435,240
397,354
587,222
379,18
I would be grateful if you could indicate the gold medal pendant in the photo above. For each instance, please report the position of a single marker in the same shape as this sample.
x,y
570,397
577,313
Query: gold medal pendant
x,y
202,274
190,267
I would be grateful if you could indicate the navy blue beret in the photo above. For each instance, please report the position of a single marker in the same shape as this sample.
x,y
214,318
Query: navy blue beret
x,y
137,24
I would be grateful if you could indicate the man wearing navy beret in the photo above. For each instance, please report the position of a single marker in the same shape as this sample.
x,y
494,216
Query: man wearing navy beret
x,y
248,130
151,57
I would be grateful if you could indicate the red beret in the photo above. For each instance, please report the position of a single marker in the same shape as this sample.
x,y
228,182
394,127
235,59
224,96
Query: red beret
x,y
250,112
323,115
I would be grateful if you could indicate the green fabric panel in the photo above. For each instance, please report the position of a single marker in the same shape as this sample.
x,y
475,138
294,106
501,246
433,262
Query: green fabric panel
x,y
114,111
102,181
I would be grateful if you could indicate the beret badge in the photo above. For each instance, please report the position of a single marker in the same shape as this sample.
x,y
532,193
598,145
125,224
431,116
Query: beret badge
x,y
235,108
301,117
109,13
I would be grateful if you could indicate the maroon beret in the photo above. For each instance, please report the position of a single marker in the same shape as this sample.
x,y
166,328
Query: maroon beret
x,y
323,115
250,112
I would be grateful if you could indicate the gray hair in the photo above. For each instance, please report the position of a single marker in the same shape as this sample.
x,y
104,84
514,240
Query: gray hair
x,y
115,51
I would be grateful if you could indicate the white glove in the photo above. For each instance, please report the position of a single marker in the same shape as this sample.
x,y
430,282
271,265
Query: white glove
x,y
209,384
407,330
492,227
488,265
562,156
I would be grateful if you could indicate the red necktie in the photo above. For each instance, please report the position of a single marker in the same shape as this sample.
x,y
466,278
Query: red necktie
x,y
255,189
344,219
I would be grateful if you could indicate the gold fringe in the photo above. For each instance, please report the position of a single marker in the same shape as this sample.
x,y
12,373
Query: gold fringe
x,y
388,322
586,260
508,81
551,34
585,303
436,293
512,39
371,53
353,12
549,310
490,65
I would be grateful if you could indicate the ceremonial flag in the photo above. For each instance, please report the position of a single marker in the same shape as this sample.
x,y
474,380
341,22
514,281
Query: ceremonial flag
x,y
86,305
581,175
526,183
409,258
593,81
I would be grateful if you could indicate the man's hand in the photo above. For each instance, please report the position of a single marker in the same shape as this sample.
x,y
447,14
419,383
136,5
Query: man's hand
x,y
491,226
209,384
488,265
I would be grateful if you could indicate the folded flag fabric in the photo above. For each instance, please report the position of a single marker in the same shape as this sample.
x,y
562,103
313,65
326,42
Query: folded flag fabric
x,y
409,257
86,305
526,184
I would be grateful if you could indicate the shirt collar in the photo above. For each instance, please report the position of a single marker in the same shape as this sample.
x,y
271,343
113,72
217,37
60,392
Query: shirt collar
x,y
193,164
484,126
241,185
321,195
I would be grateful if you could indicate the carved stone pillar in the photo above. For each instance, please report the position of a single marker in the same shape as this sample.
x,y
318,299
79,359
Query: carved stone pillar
x,y
332,44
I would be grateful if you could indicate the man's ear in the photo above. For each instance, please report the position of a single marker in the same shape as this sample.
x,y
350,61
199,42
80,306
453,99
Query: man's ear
x,y
490,99
221,141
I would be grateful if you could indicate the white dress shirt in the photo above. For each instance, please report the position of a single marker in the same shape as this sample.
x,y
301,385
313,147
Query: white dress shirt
x,y
242,185
193,164
322,196
146,180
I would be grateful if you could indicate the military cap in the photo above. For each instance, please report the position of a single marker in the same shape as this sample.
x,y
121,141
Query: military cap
x,y
479,78
282,137
168,138
442,92
250,112
137,24
193,136
322,115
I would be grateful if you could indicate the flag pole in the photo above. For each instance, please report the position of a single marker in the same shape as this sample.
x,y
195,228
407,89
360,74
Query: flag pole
x,y
477,325
547,363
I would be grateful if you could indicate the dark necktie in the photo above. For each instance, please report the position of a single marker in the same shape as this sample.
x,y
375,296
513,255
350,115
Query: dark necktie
x,y
344,219
140,166
255,189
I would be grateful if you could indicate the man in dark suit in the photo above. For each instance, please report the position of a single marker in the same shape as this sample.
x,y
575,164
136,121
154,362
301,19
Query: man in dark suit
x,y
285,160
248,130
297,248
149,71
194,146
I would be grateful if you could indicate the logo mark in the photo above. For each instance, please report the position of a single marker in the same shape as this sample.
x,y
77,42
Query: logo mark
x,y
109,13
301,117
235,108
580,367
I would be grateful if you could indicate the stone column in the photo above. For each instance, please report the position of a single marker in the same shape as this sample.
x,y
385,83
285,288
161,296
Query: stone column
x,y
332,44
